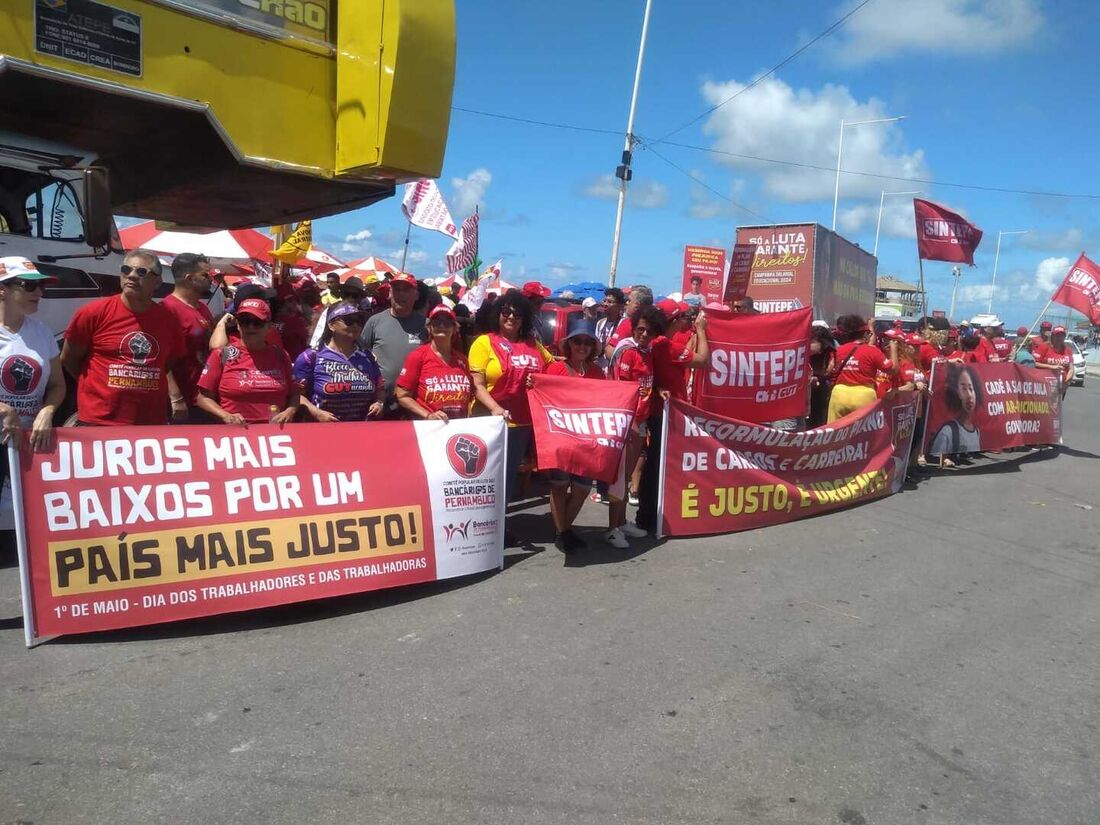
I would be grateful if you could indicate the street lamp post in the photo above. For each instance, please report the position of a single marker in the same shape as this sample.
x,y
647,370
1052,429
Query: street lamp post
x,y
878,226
840,151
996,260
957,273
623,172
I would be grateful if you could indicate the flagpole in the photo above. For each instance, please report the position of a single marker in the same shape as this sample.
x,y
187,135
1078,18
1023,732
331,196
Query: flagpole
x,y
1035,323
405,254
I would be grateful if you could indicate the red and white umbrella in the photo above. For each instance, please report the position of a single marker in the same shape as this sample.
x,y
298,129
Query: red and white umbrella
x,y
222,246
367,270
219,245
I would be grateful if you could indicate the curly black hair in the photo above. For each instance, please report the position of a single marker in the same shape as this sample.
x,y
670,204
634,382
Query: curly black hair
x,y
951,395
850,328
654,318
516,300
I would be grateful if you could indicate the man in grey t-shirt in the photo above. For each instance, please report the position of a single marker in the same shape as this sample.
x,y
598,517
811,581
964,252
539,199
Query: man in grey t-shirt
x,y
393,333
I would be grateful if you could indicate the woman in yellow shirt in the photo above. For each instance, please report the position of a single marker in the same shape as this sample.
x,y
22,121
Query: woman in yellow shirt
x,y
501,365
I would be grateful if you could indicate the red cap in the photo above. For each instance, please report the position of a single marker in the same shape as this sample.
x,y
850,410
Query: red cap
x,y
669,308
442,309
894,333
1058,331
1021,331
685,307
403,278
256,307
913,340
1044,325
533,289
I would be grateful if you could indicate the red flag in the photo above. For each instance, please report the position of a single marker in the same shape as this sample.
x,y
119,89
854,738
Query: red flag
x,y
580,425
759,366
1081,289
943,235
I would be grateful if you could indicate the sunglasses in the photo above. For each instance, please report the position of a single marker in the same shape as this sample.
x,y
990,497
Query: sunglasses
x,y
26,286
442,322
250,321
126,269
508,312
352,320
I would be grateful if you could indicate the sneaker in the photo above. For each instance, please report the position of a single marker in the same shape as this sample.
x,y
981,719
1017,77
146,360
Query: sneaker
x,y
632,499
616,539
596,498
633,531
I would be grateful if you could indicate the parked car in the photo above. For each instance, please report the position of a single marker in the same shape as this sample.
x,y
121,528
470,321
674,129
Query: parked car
x,y
1079,368
558,320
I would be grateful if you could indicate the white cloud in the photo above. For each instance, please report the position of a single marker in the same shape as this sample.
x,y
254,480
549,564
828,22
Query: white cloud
x,y
705,205
563,270
975,293
1053,240
469,192
1048,277
774,120
890,28
897,220
642,194
357,242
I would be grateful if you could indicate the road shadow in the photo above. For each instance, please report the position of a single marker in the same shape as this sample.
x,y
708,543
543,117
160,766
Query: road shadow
x,y
598,553
996,464
265,618
1077,453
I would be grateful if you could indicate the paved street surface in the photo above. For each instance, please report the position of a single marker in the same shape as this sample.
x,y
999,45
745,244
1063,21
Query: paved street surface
x,y
931,658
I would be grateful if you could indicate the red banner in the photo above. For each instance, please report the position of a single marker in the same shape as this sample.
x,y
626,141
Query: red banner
x,y
581,425
737,284
121,527
722,475
978,407
708,263
1081,289
759,365
943,235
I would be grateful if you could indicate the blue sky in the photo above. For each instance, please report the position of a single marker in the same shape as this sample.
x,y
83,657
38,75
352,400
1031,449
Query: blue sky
x,y
996,94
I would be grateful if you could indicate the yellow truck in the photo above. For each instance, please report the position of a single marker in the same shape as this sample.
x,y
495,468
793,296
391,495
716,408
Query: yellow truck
x,y
224,113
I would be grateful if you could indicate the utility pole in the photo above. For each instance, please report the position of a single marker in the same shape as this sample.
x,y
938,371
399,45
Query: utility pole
x,y
624,172
957,273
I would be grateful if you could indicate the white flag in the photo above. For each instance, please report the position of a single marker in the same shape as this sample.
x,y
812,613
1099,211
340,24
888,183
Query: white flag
x,y
493,272
463,251
423,205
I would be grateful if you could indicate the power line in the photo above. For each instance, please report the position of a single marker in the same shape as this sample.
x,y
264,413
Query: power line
x,y
568,126
928,182
832,28
706,186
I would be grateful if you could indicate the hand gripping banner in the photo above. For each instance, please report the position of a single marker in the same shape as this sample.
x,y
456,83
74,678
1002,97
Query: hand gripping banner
x,y
720,475
581,425
120,527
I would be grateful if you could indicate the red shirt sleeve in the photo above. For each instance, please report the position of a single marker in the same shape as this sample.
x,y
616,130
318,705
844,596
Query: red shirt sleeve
x,y
212,374
627,366
409,377
622,331
79,332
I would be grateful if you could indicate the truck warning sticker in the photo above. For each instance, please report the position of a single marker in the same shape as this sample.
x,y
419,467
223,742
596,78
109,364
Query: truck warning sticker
x,y
90,33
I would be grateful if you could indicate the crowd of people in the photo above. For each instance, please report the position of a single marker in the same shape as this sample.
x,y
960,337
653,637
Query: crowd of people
x,y
396,348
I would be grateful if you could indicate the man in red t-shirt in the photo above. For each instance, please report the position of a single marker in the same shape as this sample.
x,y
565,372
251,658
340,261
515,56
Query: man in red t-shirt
x,y
187,305
121,350
640,296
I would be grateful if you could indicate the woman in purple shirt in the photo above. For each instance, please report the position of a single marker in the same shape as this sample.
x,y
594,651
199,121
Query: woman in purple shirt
x,y
339,381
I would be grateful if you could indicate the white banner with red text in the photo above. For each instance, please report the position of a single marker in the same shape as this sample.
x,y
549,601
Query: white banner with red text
x,y
121,527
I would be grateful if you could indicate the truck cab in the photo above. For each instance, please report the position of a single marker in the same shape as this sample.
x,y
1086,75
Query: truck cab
x,y
46,193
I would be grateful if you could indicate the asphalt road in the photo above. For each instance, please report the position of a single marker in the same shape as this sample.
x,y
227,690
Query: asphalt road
x,y
929,658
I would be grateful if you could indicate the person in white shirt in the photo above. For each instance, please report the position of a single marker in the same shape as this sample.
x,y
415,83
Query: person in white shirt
x,y
32,385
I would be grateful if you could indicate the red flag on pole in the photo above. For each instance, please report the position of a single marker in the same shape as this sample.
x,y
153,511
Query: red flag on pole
x,y
943,235
581,427
1081,289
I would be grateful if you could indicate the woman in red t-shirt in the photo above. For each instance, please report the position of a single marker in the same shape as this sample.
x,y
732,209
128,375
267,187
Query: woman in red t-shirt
x,y
568,491
434,382
858,364
633,361
1056,355
249,382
